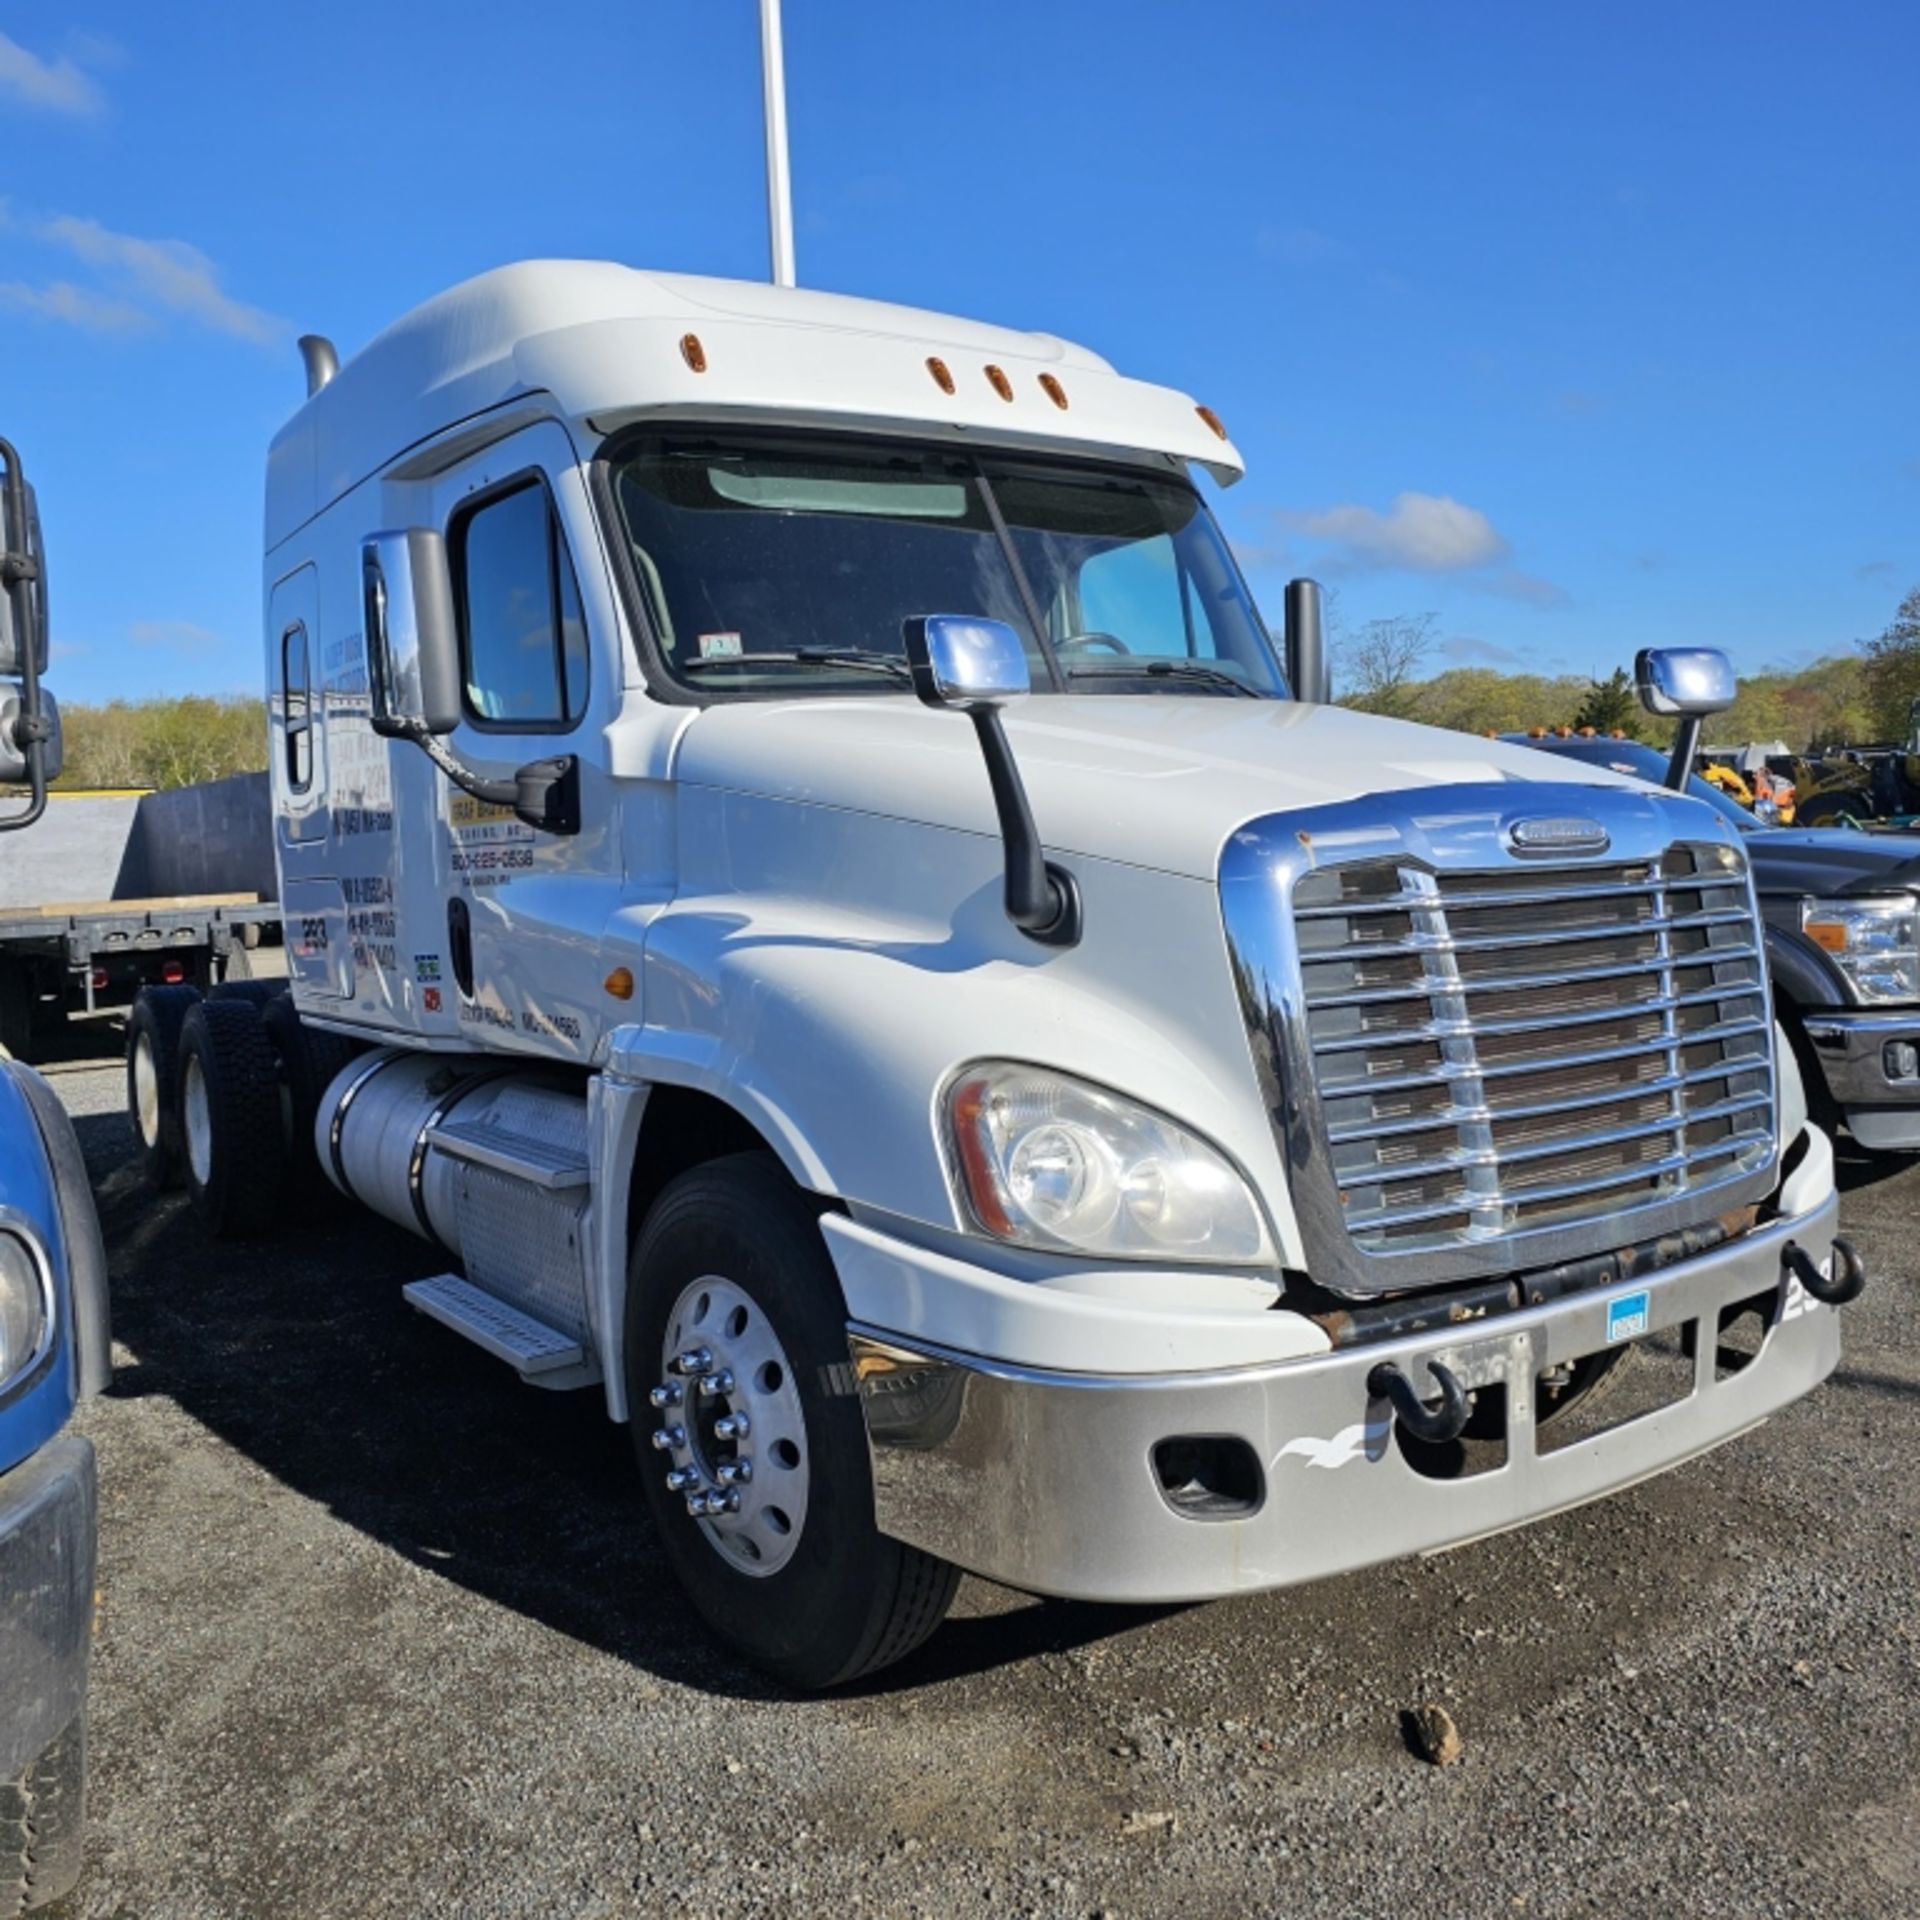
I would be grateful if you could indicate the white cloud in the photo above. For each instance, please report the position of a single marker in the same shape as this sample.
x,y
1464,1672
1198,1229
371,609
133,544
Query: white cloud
x,y
1511,584
1420,533
62,300
165,273
54,86
1467,651
173,636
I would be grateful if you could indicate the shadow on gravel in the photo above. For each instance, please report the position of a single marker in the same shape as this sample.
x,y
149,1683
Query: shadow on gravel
x,y
1854,1167
299,1352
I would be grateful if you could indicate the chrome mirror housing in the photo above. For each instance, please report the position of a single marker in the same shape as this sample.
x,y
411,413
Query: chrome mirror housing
x,y
962,661
413,648
1690,681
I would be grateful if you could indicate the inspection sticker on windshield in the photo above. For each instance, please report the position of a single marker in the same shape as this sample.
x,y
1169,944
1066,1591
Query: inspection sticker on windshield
x,y
719,646
1628,1316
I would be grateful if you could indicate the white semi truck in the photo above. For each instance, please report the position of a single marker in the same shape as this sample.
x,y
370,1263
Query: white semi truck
x,y
1117,1141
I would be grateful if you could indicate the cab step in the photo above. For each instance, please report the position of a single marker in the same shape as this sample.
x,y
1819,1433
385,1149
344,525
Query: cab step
x,y
554,1166
503,1331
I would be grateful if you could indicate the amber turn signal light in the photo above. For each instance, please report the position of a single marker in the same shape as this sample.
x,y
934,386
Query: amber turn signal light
x,y
619,983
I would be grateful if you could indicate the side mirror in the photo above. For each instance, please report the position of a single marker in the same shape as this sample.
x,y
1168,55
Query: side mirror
x,y
1691,682
413,646
1305,646
14,770
975,666
23,589
961,662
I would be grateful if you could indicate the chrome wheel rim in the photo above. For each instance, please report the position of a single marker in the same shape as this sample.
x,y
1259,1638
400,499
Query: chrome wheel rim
x,y
146,1091
199,1120
730,1429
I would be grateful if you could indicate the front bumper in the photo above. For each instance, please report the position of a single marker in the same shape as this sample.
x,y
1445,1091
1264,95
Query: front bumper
x,y
1858,1052
47,1538
1046,1480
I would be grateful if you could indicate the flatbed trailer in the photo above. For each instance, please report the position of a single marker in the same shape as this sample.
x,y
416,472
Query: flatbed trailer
x,y
121,891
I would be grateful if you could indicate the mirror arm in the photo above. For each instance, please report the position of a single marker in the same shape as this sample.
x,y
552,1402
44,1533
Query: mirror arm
x,y
1042,899
545,793
1686,743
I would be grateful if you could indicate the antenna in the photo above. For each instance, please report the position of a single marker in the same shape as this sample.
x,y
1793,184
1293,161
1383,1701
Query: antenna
x,y
773,79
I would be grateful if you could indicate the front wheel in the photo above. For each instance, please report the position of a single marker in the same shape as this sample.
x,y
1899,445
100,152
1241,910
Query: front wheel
x,y
752,1447
42,1814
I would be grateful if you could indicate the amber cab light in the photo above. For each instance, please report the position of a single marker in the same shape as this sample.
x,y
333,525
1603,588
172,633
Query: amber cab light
x,y
692,352
942,378
1215,425
1054,391
1001,384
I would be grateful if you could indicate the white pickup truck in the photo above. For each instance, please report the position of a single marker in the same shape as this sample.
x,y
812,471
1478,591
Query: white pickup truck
x,y
1117,1141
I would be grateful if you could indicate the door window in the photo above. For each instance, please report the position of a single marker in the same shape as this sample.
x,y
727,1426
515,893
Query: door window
x,y
523,638
296,707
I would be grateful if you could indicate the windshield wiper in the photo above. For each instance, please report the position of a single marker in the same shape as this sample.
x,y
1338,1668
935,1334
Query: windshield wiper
x,y
1168,670
865,660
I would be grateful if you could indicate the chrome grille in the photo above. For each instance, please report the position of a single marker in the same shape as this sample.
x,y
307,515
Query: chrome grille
x,y
1505,1049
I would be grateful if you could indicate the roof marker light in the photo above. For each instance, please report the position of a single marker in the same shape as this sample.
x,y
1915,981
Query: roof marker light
x,y
1213,421
1001,384
941,377
692,352
1054,391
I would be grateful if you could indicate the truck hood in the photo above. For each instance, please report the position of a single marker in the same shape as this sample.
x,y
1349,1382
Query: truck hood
x,y
1832,860
1155,780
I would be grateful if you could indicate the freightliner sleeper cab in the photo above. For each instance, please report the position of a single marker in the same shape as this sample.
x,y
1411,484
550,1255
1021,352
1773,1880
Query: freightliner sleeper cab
x,y
806,875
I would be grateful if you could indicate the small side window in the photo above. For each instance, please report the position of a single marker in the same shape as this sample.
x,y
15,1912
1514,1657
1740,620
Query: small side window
x,y
296,706
523,636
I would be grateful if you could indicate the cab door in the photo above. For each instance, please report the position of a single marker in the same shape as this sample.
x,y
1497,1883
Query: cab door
x,y
313,903
541,681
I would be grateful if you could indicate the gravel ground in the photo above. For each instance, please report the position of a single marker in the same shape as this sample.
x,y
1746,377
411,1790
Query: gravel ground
x,y
385,1633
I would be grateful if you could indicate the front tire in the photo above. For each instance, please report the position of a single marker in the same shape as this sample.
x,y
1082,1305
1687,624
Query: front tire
x,y
42,1820
731,1260
230,1120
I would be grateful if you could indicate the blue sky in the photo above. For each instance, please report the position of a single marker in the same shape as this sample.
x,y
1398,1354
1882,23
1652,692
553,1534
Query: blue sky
x,y
1582,326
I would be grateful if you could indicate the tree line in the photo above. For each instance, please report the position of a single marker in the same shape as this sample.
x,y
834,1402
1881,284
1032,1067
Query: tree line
x,y
162,742
1855,698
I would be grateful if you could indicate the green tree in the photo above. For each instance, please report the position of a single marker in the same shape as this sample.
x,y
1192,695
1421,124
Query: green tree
x,y
1611,706
1893,671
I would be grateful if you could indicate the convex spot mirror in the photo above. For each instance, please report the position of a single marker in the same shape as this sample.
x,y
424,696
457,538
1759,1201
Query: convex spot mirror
x,y
1689,681
960,661
13,752
23,541
413,647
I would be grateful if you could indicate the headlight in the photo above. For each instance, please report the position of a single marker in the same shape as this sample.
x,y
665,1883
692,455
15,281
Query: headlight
x,y
1051,1162
1875,942
23,1308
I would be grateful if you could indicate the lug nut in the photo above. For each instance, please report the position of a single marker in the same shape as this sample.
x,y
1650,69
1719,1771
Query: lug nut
x,y
719,1503
732,1426
735,1473
694,1360
681,1478
697,1506
668,1394
667,1437
714,1384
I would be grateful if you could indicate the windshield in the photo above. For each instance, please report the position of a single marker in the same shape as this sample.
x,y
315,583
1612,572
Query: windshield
x,y
784,564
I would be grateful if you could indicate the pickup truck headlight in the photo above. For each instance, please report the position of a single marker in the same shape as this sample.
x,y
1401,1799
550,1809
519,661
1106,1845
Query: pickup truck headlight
x,y
1875,943
23,1308
1048,1161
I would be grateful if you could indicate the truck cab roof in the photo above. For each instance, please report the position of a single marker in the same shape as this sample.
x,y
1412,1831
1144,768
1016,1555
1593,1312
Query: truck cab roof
x,y
603,345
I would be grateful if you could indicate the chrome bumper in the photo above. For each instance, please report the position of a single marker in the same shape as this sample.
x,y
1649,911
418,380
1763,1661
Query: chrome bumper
x,y
1882,1107
1045,1480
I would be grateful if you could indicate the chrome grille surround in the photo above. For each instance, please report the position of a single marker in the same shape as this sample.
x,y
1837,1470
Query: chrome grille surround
x,y
1479,1059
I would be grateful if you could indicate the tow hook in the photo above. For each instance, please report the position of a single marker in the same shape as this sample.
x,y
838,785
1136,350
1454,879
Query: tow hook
x,y
1849,1272
1436,1425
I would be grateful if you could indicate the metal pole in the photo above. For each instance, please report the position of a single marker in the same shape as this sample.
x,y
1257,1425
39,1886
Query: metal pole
x,y
773,78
